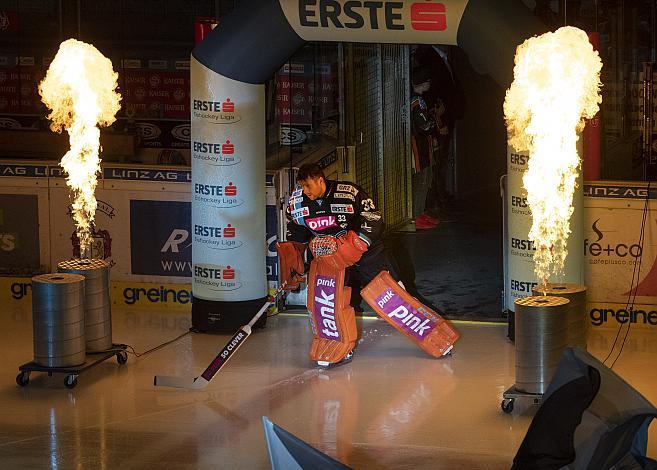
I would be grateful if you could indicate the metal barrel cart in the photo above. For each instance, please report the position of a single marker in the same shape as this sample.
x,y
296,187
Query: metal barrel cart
x,y
72,372
71,320
541,331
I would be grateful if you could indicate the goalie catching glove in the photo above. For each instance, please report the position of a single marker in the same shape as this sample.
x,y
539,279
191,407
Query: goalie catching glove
x,y
290,256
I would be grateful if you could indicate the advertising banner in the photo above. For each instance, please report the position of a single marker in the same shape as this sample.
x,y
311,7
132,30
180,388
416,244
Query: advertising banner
x,y
24,219
18,87
156,133
520,249
113,225
271,222
409,22
521,277
17,289
151,295
19,233
160,242
155,94
228,198
620,247
306,92
109,238
293,104
306,102
142,228
153,133
16,296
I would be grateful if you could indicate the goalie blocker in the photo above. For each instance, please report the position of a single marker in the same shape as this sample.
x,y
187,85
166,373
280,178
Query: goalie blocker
x,y
409,316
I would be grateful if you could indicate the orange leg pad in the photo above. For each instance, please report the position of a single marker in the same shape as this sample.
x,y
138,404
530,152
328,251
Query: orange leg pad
x,y
431,332
333,320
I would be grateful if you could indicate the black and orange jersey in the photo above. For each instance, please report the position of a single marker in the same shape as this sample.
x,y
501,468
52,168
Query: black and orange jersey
x,y
345,206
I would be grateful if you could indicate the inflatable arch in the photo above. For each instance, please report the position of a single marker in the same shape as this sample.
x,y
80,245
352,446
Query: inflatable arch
x,y
228,71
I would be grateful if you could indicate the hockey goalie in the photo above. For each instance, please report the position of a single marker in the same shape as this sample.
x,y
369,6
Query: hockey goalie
x,y
342,229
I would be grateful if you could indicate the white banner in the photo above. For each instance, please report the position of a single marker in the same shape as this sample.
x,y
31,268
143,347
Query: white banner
x,y
520,249
228,197
143,234
621,268
400,22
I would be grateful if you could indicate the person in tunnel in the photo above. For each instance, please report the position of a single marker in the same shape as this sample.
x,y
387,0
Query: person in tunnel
x,y
344,231
424,139
446,103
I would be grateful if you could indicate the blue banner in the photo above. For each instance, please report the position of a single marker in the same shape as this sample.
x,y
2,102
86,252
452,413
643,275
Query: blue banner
x,y
161,237
19,234
160,241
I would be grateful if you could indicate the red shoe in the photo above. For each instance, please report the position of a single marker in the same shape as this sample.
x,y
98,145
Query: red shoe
x,y
422,223
430,218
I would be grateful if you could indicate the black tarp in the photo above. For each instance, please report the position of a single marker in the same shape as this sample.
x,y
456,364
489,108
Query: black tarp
x,y
590,419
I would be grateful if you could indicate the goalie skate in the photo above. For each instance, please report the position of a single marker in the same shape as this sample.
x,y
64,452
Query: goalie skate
x,y
329,365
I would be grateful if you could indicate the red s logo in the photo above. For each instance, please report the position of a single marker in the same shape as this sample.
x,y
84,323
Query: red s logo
x,y
231,189
428,17
229,273
229,231
228,106
227,148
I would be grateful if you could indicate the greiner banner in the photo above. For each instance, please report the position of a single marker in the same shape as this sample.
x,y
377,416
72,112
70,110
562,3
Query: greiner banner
x,y
228,198
410,22
520,249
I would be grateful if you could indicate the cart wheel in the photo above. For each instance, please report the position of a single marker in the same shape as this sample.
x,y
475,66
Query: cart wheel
x,y
122,357
507,405
71,380
23,378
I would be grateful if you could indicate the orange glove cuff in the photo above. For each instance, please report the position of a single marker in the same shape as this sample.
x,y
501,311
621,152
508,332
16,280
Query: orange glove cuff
x,y
350,249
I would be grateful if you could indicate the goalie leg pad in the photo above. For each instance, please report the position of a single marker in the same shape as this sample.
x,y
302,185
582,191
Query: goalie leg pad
x,y
431,332
333,320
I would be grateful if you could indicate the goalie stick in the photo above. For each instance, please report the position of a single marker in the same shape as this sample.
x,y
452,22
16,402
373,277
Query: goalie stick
x,y
222,358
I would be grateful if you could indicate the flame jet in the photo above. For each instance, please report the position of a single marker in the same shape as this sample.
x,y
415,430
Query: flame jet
x,y
79,89
556,86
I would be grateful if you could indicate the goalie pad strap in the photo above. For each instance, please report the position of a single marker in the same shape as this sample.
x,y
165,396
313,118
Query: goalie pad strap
x,y
409,316
332,319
